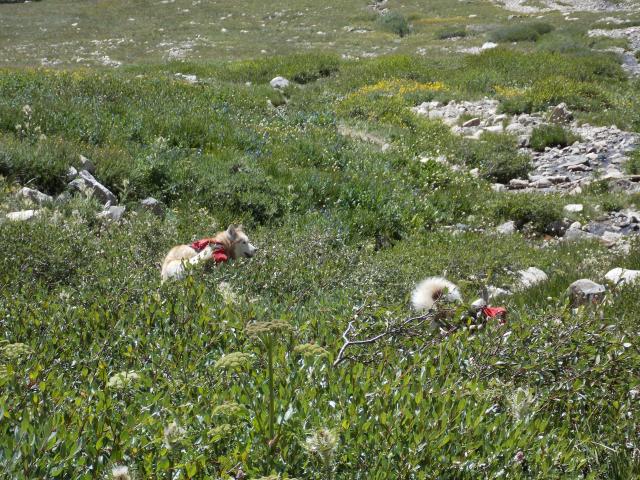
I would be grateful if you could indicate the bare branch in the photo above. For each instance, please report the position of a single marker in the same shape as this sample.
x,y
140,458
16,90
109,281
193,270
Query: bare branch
x,y
403,328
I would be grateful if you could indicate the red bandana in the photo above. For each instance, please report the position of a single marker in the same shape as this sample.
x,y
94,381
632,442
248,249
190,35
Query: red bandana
x,y
218,255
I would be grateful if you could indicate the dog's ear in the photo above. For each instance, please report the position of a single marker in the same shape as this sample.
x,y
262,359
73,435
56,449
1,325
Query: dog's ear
x,y
232,231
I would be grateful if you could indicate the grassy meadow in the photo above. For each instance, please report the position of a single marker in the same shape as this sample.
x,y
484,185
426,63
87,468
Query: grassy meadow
x,y
230,373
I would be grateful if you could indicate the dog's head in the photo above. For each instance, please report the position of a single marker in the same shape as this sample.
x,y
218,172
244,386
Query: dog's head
x,y
239,243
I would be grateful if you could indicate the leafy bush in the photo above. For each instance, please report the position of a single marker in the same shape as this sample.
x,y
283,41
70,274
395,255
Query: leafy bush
x,y
448,33
578,95
301,68
551,135
632,166
43,165
497,156
394,22
541,211
565,43
520,33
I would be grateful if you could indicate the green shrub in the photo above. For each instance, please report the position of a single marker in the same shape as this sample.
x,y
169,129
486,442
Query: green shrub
x,y
564,43
530,32
448,33
496,155
632,166
617,25
394,22
539,210
301,68
551,136
577,94
42,164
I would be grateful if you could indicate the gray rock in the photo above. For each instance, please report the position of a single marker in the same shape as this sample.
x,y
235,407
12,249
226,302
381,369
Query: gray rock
x,y
585,291
22,215
621,276
543,182
113,213
494,129
612,173
530,277
34,196
477,134
561,114
86,164
610,239
279,83
474,122
507,228
515,128
634,217
556,179
518,184
579,167
488,46
499,187
152,205
89,186
575,234
71,174
574,208
523,141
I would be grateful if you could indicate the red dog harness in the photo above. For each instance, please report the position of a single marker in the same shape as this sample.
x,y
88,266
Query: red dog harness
x,y
219,255
499,313
491,312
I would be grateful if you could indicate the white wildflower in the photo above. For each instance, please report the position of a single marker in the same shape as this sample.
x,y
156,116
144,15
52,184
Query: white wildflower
x,y
173,433
120,472
228,295
123,379
322,442
521,402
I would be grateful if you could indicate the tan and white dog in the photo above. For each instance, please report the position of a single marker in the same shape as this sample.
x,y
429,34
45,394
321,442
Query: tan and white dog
x,y
232,243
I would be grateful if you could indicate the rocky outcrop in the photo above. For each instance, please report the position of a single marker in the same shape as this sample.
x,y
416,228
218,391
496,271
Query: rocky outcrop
x,y
86,184
599,151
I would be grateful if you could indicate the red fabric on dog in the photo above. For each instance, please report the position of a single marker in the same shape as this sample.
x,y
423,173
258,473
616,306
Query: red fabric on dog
x,y
218,255
492,312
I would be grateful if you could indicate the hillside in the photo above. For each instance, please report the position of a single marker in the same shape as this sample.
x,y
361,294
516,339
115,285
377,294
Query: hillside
x,y
492,143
